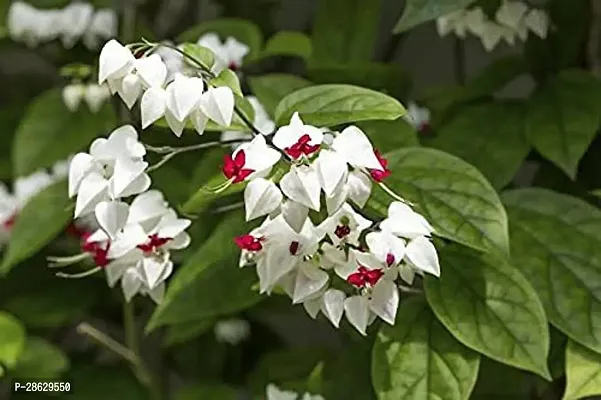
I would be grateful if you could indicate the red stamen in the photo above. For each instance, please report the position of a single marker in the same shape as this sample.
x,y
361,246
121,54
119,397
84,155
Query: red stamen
x,y
249,243
364,277
379,175
100,256
294,248
154,242
342,231
233,66
233,168
390,259
301,147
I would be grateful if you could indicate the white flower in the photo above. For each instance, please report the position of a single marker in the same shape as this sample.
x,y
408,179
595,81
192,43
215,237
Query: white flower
x,y
301,184
232,331
418,117
344,226
227,55
404,222
297,139
275,393
95,96
511,14
262,122
75,18
330,302
103,26
454,22
261,197
116,61
250,160
73,95
538,22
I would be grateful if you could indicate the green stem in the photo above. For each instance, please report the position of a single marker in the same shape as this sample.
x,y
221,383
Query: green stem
x,y
111,344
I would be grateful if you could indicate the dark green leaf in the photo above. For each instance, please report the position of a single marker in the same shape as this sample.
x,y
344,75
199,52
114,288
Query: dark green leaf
x,y
563,118
42,218
346,373
418,359
390,135
455,198
497,74
94,382
240,29
583,370
289,43
346,30
49,132
40,360
500,381
12,341
270,89
488,136
337,104
490,307
210,283
179,333
217,392
555,240
419,11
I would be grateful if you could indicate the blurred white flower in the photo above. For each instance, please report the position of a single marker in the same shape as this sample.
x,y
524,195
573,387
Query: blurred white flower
x,y
232,331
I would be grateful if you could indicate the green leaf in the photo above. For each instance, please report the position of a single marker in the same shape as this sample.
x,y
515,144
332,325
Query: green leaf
x,y
346,373
196,392
563,118
42,218
186,331
95,382
270,89
555,239
390,135
455,198
242,30
289,43
206,194
40,360
346,30
419,11
497,75
49,132
335,104
210,283
202,54
583,372
12,341
500,381
228,78
418,359
488,136
489,306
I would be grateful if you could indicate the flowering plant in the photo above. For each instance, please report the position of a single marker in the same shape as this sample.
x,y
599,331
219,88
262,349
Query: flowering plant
x,y
232,217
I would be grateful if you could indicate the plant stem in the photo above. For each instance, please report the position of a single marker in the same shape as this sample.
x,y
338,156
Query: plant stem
x,y
111,344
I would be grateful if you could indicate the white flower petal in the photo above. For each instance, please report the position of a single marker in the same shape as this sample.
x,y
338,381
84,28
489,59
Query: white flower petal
x,y
73,95
152,269
147,207
421,253
309,281
332,170
81,165
130,90
404,222
158,293
357,312
176,126
115,61
312,307
218,105
333,305
261,197
131,284
538,22
199,120
112,216
301,184
126,172
152,70
274,393
95,96
295,214
359,187
93,189
354,145
183,96
127,240
153,105
383,245
385,300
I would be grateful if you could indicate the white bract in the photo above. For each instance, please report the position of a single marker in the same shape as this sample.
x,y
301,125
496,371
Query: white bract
x,y
262,122
275,393
513,20
76,21
232,331
229,54
418,117
94,95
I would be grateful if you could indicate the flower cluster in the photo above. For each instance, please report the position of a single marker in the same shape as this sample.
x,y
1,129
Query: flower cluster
x,y
133,241
94,95
179,100
302,253
514,19
77,20
24,188
275,393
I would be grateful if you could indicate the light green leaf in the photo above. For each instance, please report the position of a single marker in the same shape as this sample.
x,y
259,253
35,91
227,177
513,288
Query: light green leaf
x,y
583,372
270,89
199,53
42,218
183,332
12,341
419,11
40,360
228,78
488,136
489,306
197,392
563,118
206,194
453,195
242,30
555,239
49,132
210,283
336,104
390,135
346,30
289,43
418,359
